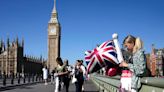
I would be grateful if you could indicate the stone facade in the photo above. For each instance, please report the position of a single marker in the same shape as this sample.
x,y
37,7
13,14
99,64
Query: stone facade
x,y
12,59
157,64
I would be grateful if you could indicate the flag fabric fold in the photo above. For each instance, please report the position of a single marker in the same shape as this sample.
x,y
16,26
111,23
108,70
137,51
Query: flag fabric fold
x,y
103,55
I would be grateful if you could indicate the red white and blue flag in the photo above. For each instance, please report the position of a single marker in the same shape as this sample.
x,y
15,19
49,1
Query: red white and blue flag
x,y
104,55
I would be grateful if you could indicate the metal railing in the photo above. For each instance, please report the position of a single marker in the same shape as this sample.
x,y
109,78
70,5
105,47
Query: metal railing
x,y
112,84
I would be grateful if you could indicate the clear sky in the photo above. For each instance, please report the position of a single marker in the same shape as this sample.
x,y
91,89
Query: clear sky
x,y
84,23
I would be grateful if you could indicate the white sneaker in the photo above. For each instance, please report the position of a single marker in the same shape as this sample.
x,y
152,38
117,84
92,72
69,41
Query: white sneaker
x,y
82,88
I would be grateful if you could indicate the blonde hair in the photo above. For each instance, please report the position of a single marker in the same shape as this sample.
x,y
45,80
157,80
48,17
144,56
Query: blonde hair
x,y
138,45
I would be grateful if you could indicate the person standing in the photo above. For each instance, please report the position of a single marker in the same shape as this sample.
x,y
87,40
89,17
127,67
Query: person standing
x,y
134,67
79,76
84,73
45,75
67,77
52,76
61,72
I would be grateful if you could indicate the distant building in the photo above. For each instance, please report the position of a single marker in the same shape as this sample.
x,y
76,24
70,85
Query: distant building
x,y
32,65
12,59
148,71
157,62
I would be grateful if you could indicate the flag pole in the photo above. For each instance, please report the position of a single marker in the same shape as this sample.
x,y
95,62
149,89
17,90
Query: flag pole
x,y
117,46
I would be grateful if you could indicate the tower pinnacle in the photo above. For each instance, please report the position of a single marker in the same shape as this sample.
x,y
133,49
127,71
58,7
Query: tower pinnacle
x,y
54,9
54,14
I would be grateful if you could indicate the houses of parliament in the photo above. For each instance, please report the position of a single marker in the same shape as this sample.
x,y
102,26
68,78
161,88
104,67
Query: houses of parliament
x,y
12,59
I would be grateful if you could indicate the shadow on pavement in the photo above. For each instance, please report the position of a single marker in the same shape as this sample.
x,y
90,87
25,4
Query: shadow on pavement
x,y
16,87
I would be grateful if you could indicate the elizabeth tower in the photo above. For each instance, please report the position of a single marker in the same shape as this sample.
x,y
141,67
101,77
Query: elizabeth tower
x,y
54,32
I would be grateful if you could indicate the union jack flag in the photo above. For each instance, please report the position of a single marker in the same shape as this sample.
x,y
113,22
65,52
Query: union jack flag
x,y
103,55
87,54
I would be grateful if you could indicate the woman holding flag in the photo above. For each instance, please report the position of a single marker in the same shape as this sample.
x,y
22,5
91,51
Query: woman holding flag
x,y
109,54
134,67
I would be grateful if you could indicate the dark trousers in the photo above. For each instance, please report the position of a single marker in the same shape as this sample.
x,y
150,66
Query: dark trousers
x,y
66,83
78,85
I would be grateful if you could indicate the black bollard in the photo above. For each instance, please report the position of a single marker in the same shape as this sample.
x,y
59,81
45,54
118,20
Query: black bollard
x,y
4,79
32,77
24,79
36,78
18,78
12,78
28,78
39,78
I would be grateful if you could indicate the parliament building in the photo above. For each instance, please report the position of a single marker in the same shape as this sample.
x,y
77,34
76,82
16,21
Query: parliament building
x,y
12,59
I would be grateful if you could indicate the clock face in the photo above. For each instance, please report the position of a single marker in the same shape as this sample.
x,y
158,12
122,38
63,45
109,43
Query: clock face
x,y
53,31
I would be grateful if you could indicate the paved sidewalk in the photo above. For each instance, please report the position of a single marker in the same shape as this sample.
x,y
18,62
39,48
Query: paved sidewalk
x,y
40,87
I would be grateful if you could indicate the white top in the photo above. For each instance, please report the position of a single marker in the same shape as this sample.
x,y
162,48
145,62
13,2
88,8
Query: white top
x,y
45,73
83,69
69,68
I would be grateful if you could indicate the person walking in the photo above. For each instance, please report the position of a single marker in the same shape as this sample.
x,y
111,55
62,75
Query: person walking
x,y
45,75
79,76
67,77
52,76
84,73
61,72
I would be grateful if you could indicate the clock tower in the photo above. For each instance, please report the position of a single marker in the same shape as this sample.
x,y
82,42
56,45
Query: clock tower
x,y
53,39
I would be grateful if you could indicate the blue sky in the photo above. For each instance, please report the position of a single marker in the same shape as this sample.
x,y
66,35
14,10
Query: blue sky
x,y
84,23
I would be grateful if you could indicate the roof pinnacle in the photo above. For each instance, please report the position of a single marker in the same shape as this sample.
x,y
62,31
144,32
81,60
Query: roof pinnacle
x,y
54,9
